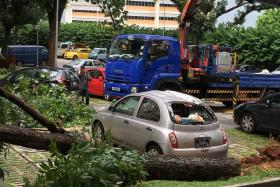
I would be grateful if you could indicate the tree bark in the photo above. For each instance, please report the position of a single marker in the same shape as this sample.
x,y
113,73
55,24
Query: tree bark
x,y
52,28
6,36
165,167
34,139
29,110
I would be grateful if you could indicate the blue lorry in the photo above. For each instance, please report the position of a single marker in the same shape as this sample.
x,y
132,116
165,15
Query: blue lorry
x,y
139,62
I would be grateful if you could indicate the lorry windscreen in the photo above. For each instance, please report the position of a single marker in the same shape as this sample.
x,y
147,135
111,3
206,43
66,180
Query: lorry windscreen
x,y
124,48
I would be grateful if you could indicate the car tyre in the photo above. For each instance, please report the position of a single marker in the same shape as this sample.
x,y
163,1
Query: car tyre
x,y
19,63
75,57
97,131
248,123
107,97
154,150
269,92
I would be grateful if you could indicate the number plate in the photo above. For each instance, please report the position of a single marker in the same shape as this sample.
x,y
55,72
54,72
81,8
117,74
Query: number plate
x,y
202,142
116,89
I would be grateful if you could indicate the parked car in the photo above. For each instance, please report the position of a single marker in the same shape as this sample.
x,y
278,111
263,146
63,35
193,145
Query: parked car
x,y
27,54
248,68
262,115
80,53
276,71
76,65
63,47
145,121
98,54
44,75
96,81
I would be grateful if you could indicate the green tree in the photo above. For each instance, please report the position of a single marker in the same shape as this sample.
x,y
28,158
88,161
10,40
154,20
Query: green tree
x,y
205,16
16,13
113,9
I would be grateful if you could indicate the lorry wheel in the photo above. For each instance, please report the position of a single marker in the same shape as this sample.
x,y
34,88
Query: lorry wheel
x,y
268,93
75,57
19,63
227,103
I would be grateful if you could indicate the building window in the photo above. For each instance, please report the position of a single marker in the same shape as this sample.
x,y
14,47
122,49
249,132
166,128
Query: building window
x,y
141,17
140,3
87,11
168,18
167,5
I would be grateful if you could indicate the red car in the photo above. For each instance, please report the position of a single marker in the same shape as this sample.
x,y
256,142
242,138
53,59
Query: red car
x,y
96,77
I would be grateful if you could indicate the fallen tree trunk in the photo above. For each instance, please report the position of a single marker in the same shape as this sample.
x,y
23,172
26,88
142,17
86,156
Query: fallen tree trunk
x,y
165,167
29,110
34,139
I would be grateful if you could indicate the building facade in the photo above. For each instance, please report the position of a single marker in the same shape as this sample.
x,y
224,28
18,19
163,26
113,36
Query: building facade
x,y
145,13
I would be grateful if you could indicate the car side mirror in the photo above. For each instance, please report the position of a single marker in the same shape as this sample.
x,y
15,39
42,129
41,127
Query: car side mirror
x,y
111,108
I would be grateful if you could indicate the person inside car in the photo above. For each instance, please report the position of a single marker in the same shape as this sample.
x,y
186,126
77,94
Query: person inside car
x,y
192,118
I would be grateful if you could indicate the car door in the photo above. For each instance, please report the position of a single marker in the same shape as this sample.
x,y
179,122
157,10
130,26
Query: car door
x,y
142,127
95,82
122,117
274,113
84,53
157,59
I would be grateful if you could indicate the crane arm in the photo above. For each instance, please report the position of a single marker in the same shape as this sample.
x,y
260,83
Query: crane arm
x,y
184,27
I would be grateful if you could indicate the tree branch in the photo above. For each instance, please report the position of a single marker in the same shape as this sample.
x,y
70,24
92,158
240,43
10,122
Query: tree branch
x,y
29,110
231,9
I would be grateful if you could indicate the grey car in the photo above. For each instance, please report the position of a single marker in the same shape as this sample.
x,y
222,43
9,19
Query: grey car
x,y
145,121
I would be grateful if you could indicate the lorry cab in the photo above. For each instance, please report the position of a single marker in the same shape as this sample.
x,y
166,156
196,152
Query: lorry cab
x,y
139,62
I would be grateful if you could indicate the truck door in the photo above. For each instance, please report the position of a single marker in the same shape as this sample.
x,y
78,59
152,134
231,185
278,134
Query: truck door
x,y
157,60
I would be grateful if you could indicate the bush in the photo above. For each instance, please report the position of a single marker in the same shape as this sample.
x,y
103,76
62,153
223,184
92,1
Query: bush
x,y
88,166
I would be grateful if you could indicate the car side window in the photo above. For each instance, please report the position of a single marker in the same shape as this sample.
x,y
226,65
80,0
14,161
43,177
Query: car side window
x,y
149,110
88,63
127,106
93,74
275,101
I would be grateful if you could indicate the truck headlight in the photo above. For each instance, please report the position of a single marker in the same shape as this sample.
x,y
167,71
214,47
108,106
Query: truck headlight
x,y
133,90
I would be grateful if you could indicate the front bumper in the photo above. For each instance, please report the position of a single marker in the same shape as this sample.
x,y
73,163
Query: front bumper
x,y
119,89
211,152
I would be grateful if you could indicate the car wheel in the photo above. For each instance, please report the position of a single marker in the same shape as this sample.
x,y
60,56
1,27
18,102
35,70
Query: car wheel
x,y
97,131
248,123
19,63
154,150
75,57
107,97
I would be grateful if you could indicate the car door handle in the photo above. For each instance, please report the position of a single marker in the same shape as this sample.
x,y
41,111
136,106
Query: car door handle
x,y
149,129
126,122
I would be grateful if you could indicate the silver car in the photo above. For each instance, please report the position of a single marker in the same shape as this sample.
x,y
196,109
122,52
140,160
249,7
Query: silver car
x,y
76,65
145,121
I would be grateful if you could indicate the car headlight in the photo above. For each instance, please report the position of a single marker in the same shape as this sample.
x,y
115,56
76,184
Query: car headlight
x,y
133,89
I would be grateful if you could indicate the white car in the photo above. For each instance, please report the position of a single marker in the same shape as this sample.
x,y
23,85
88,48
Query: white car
x,y
76,65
